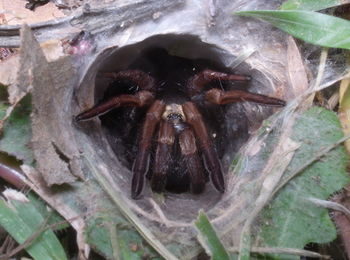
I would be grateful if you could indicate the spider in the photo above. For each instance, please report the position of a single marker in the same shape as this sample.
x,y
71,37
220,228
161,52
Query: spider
x,y
176,123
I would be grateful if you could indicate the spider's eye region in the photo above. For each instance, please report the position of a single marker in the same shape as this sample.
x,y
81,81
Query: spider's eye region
x,y
174,117
173,112
134,88
177,121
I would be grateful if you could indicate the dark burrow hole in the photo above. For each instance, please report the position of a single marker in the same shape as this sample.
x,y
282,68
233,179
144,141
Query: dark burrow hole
x,y
158,57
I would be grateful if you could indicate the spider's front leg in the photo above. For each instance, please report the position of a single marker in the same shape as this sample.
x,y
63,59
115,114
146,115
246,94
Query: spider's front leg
x,y
212,163
190,155
141,164
162,160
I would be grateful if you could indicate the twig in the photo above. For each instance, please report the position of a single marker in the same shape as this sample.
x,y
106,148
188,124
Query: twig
x,y
333,101
8,243
342,221
331,205
93,20
160,213
321,67
345,75
114,241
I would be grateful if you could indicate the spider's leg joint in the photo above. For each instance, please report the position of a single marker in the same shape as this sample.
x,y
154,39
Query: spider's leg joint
x,y
214,95
145,98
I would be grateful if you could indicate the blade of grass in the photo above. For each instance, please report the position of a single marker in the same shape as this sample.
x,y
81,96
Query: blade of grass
x,y
114,241
209,239
344,105
287,251
316,28
311,5
22,221
28,241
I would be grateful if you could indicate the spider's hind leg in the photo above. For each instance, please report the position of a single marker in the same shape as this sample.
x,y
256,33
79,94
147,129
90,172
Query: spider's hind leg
x,y
196,84
220,97
143,80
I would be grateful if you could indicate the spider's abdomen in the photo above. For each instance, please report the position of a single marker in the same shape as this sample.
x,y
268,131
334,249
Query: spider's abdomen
x,y
177,175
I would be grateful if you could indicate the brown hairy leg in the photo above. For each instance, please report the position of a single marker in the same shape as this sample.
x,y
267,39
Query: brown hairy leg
x,y
166,139
140,99
196,84
212,163
194,165
221,97
144,97
141,164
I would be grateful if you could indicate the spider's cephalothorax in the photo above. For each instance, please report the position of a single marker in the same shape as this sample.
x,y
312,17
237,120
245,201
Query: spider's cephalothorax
x,y
176,123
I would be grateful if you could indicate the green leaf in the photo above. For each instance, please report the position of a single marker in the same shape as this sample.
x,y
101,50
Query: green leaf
x,y
130,244
291,220
17,132
312,27
310,5
21,219
209,239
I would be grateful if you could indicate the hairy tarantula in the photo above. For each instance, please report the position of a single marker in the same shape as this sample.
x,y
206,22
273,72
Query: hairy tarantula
x,y
176,123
